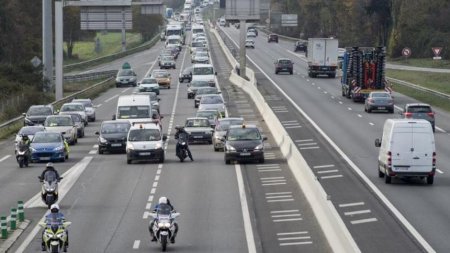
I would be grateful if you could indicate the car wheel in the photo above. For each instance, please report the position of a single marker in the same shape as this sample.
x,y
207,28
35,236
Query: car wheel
x,y
387,179
380,174
216,149
168,87
291,72
209,142
276,72
261,160
227,161
161,159
369,110
128,161
430,179
100,151
391,110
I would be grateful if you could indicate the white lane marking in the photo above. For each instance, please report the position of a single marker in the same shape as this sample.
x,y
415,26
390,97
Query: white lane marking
x,y
278,193
270,170
286,211
279,197
136,244
273,181
332,97
440,171
286,215
153,190
323,166
70,177
297,55
279,200
366,221
359,115
111,98
92,152
95,146
284,220
340,102
153,65
156,177
326,171
352,204
98,106
295,243
266,178
155,184
294,238
309,148
150,198
245,211
306,140
307,144
125,90
5,157
148,206
328,177
270,184
267,165
349,108
372,124
290,127
356,212
293,233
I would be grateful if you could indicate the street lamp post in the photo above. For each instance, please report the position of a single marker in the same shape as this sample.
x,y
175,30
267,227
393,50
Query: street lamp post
x,y
59,4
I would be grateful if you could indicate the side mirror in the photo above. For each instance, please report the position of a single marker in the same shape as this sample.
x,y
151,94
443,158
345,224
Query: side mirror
x,y
377,143
159,99
161,117
114,117
24,114
97,133
264,138
164,137
63,133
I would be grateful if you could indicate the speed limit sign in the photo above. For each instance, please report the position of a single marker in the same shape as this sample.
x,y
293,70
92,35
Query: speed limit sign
x,y
406,52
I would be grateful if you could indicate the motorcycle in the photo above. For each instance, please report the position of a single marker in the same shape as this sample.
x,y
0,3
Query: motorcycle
x,y
182,147
55,236
22,155
49,193
164,227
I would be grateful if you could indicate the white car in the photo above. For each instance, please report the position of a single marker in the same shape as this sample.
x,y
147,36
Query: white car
x,y
250,43
212,102
62,124
79,108
251,35
200,57
145,142
90,109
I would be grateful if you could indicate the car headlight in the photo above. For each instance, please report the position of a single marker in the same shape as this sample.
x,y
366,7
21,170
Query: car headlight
x,y
158,145
102,140
117,79
32,149
260,147
230,148
60,148
27,120
133,79
130,146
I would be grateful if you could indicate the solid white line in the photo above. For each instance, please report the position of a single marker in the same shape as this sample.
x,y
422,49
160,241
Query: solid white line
x,y
323,166
99,105
351,204
293,233
158,171
278,193
295,243
283,220
111,98
245,211
125,90
286,215
136,244
356,212
294,238
326,171
328,177
93,152
285,211
4,158
440,129
306,140
366,221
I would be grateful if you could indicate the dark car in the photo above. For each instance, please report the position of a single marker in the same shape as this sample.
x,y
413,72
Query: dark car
x,y
186,75
244,143
204,91
272,37
195,85
126,77
285,65
113,136
301,46
379,100
419,111
167,62
37,114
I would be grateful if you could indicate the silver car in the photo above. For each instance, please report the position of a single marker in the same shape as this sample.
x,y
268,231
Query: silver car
x,y
79,108
212,102
379,100
200,57
221,128
419,111
90,109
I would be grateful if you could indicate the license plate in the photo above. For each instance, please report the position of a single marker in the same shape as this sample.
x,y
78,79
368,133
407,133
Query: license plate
x,y
116,145
45,158
404,168
144,153
381,107
198,137
245,154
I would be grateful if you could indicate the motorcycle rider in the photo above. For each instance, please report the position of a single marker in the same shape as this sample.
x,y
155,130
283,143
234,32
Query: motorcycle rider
x,y
50,219
163,202
181,130
25,141
50,167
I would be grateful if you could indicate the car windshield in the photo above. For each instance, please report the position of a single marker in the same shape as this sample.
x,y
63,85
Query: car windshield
x,y
30,130
58,121
199,83
47,138
419,109
203,71
86,103
197,44
115,128
149,81
144,135
224,125
236,134
76,118
284,61
126,72
33,111
197,123
167,58
133,112
160,74
173,41
207,114
201,54
381,95
72,108
204,91
211,100
187,70
197,30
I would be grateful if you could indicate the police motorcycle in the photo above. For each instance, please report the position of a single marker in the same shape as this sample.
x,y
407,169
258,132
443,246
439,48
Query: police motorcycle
x,y
164,226
55,236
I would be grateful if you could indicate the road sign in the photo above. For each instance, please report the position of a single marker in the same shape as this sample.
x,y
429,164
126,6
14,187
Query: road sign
x,y
236,10
106,18
406,52
437,52
289,19
36,61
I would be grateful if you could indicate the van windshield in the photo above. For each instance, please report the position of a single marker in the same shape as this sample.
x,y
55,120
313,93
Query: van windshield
x,y
203,71
133,112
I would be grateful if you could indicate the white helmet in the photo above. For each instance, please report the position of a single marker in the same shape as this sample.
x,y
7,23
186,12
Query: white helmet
x,y
54,208
163,200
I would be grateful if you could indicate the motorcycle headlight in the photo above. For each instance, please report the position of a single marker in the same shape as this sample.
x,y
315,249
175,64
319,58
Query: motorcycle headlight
x,y
102,140
259,147
60,235
130,146
230,148
160,224
60,148
49,235
167,224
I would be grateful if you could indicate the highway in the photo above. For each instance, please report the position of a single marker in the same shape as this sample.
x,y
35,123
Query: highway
x,y
347,168
224,208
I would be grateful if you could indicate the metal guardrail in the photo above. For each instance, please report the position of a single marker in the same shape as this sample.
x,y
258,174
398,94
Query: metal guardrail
x,y
57,103
90,76
418,87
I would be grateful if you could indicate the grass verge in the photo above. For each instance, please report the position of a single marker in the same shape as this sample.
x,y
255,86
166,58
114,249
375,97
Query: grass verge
x,y
434,81
433,100
422,63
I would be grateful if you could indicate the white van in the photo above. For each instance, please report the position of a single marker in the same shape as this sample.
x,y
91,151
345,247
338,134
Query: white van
x,y
133,107
407,149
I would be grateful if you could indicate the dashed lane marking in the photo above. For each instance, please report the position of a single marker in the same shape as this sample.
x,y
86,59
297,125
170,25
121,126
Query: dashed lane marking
x,y
303,148
5,157
329,177
323,166
326,171
125,90
306,140
354,222
352,204
356,212
92,152
293,233
136,244
111,98
285,211
372,124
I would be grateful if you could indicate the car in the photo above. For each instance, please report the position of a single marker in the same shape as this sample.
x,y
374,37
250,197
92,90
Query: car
x,y
90,109
272,37
154,99
379,100
200,49
284,64
420,111
212,101
48,146
204,91
167,62
222,22
37,114
112,136
196,44
145,142
126,77
221,129
69,108
172,50
211,115
243,143
29,131
200,57
78,123
199,130
163,54
64,125
252,29
301,46
251,35
187,27
175,40
186,74
202,40
249,43
204,72
148,84
195,85
198,34
162,77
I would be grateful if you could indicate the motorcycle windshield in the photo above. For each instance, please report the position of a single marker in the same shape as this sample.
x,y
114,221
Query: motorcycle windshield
x,y
164,210
182,137
50,177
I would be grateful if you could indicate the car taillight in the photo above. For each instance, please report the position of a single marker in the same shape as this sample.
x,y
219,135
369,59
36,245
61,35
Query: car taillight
x,y
389,158
431,114
407,114
434,159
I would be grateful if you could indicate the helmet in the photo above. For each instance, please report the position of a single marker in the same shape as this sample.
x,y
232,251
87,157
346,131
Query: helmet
x,y
162,200
24,137
54,208
49,166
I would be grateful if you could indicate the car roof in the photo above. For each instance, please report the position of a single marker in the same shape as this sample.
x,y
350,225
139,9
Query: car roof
x,y
192,118
73,103
417,104
145,125
231,118
59,115
200,65
246,126
284,59
120,121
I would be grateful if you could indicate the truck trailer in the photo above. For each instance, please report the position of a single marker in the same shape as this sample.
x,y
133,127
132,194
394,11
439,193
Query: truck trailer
x,y
322,54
